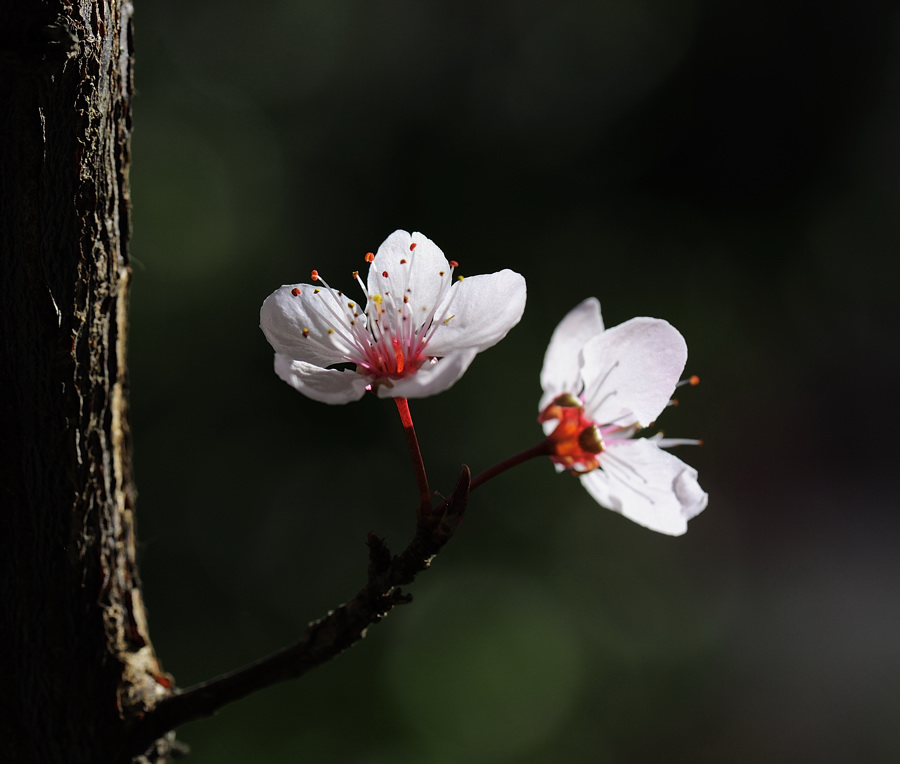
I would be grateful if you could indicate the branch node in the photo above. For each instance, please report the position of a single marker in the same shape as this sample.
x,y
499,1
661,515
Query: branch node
x,y
379,556
456,508
399,597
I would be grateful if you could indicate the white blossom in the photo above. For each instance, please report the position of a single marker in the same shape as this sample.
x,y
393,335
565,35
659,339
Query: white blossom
x,y
415,336
601,388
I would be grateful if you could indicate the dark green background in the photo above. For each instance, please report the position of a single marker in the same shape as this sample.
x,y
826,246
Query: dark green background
x,y
732,167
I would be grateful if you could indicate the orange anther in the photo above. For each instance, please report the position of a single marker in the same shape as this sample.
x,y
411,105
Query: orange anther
x,y
295,292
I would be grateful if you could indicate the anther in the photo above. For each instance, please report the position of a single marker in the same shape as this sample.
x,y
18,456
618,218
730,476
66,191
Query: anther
x,y
589,440
370,256
403,261
306,332
384,274
314,275
454,264
412,246
295,292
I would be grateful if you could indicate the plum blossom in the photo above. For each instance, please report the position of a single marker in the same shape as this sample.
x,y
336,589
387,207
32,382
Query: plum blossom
x,y
416,336
601,387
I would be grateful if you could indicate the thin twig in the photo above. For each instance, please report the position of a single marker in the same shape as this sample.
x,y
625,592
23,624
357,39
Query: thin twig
x,y
415,453
325,638
540,449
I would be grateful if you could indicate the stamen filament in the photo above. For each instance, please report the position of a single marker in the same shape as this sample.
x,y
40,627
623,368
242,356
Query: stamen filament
x,y
341,324
620,470
593,392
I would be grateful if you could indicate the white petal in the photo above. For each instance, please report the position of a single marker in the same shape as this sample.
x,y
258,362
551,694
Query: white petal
x,y
647,485
323,385
322,313
431,379
630,371
413,273
478,312
561,372
688,491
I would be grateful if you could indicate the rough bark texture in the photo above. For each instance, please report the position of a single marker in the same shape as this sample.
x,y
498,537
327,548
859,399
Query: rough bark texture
x,y
75,657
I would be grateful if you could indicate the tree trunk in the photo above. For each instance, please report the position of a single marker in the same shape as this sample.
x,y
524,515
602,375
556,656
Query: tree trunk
x,y
76,661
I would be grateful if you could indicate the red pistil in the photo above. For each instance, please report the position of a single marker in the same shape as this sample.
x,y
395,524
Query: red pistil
x,y
398,354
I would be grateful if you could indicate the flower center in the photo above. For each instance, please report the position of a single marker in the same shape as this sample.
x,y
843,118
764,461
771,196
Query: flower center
x,y
390,342
576,442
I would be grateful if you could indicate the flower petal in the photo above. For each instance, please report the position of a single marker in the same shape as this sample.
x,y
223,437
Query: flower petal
x,y
630,371
419,273
647,485
431,379
312,326
323,385
478,312
561,372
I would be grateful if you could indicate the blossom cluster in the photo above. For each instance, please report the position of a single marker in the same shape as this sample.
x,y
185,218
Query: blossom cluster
x,y
421,327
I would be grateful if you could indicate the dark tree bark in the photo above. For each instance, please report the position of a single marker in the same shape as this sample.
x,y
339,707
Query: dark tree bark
x,y
76,661
79,681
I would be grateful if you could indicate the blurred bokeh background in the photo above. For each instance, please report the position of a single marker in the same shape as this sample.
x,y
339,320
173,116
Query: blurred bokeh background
x,y
732,167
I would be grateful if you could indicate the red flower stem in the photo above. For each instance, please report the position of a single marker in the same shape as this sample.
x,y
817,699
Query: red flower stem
x,y
413,443
541,449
